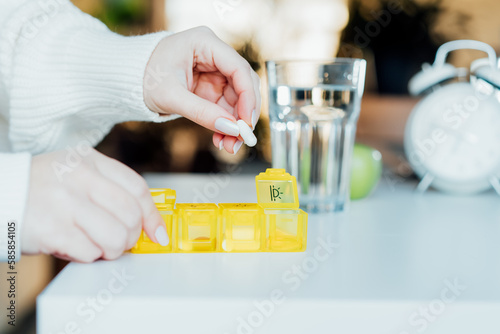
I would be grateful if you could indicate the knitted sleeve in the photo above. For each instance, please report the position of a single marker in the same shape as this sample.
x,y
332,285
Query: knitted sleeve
x,y
68,77
65,79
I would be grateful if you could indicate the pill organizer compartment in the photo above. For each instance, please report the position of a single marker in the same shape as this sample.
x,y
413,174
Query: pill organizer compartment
x,y
241,227
285,230
274,224
196,227
164,200
285,223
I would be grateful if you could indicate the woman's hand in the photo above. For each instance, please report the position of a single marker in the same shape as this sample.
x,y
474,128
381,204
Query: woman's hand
x,y
196,75
94,207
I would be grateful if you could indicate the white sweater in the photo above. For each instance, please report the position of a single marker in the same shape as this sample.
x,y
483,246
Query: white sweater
x,y
64,78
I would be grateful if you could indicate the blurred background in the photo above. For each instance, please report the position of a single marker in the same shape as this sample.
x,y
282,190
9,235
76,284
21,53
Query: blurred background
x,y
394,36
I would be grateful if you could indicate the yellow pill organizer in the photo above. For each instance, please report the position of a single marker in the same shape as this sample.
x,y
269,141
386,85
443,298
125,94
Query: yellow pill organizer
x,y
273,224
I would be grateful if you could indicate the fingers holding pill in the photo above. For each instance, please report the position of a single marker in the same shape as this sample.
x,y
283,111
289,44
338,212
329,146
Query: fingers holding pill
x,y
232,143
209,83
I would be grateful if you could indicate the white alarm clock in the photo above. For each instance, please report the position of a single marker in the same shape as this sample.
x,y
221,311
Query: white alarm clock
x,y
452,137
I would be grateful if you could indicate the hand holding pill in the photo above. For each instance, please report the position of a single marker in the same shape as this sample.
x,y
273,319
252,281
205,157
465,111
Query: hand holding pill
x,y
205,80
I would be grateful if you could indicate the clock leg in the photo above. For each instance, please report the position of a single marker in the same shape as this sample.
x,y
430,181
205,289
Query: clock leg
x,y
424,184
495,184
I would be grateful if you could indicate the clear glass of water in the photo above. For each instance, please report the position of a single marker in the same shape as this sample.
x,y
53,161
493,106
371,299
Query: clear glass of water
x,y
314,107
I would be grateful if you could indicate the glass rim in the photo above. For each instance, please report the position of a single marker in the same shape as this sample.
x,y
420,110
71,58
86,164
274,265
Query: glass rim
x,y
326,61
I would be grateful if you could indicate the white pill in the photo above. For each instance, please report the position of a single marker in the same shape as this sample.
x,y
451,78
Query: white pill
x,y
246,133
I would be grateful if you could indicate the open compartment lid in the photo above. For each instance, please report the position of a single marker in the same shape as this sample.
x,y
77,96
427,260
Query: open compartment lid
x,y
163,197
276,189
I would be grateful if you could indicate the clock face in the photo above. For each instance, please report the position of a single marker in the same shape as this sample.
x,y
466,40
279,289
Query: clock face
x,y
454,134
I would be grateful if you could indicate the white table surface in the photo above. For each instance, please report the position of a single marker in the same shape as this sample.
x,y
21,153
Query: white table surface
x,y
394,258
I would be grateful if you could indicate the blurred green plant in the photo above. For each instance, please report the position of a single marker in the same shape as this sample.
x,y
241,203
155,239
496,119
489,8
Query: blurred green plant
x,y
124,15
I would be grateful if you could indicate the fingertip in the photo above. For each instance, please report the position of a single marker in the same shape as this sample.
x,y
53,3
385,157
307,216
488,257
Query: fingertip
x,y
151,225
229,143
217,139
161,236
232,144
237,146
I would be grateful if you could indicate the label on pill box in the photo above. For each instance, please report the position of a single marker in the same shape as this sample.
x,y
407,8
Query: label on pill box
x,y
276,192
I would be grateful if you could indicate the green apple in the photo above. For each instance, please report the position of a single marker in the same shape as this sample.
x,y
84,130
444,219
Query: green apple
x,y
366,169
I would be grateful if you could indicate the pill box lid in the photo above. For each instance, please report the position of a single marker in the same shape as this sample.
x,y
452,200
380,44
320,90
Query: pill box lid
x,y
276,189
163,197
